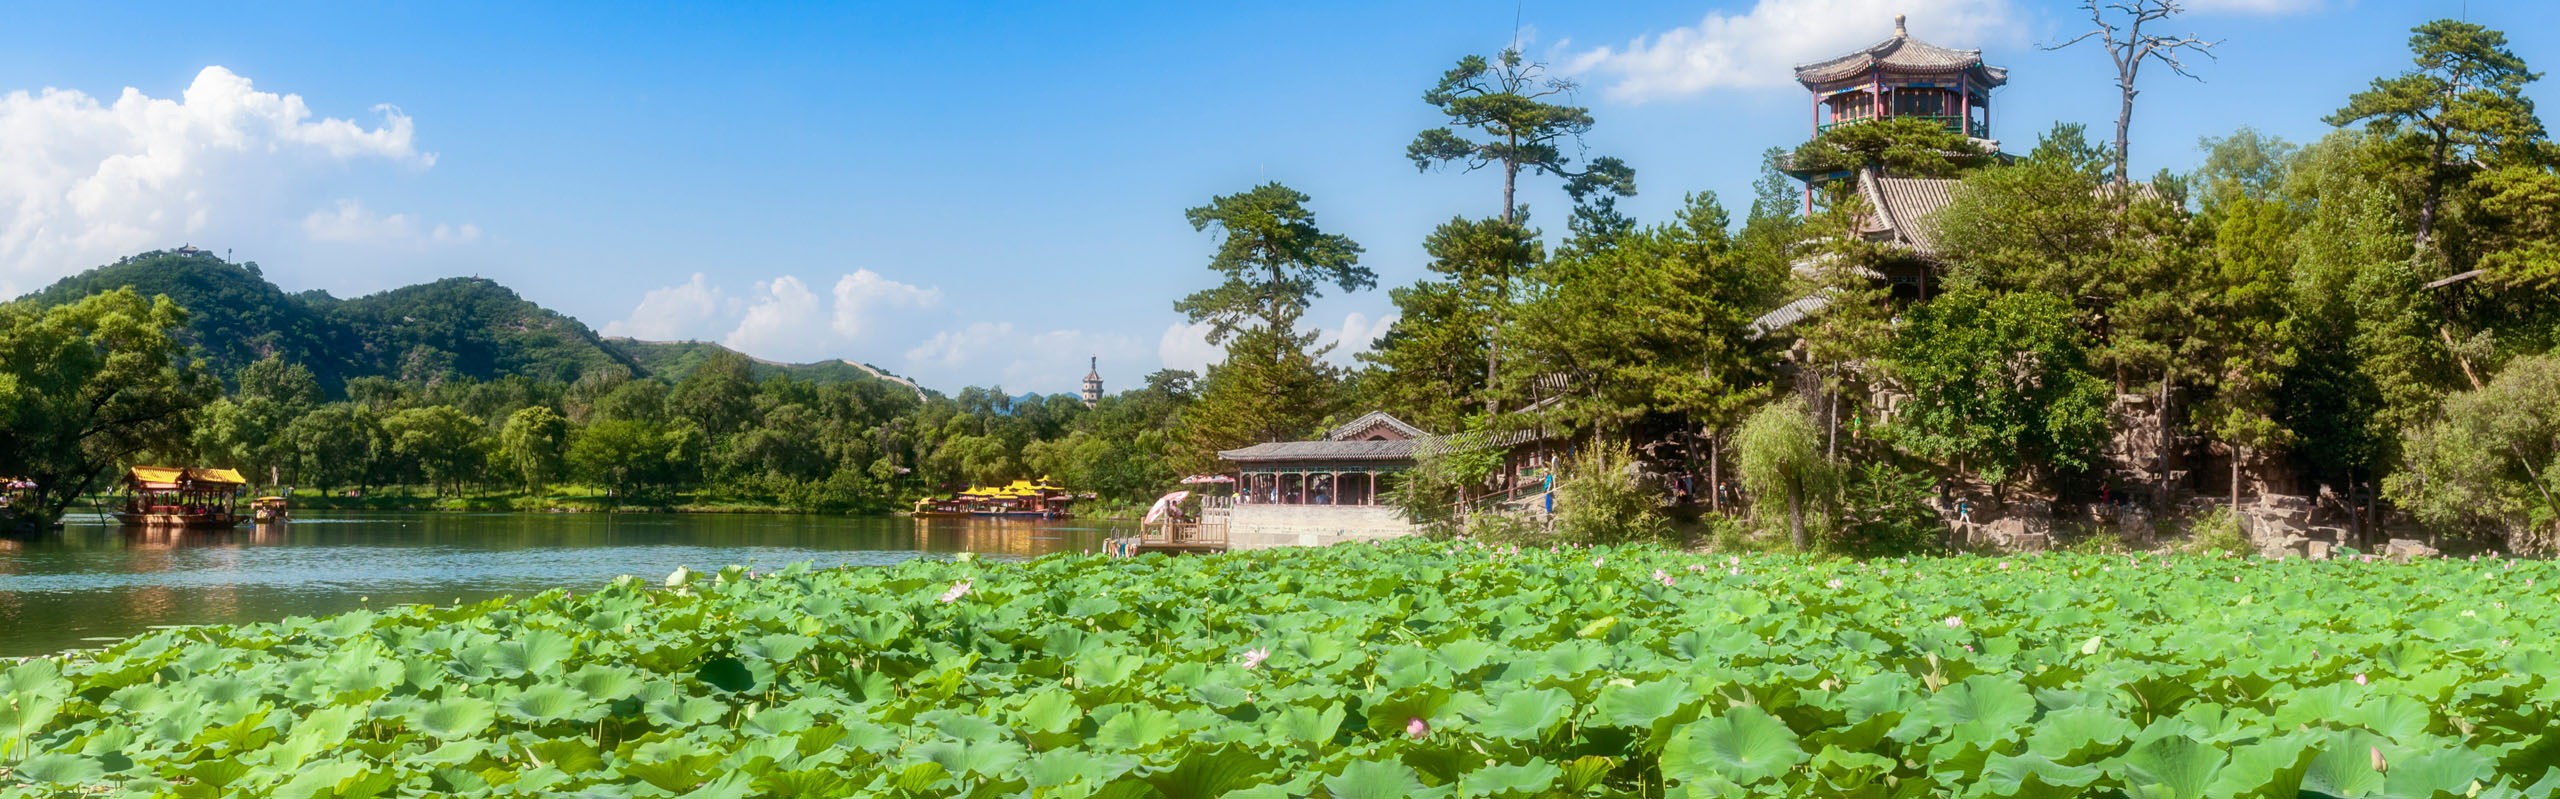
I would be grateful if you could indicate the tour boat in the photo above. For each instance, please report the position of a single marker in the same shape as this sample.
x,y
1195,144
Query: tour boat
x,y
183,497
268,510
1021,499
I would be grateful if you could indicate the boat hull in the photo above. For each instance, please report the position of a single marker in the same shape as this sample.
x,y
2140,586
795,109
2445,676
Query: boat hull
x,y
989,514
188,521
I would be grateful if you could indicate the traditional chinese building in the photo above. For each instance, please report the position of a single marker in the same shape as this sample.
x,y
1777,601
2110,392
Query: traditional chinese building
x,y
1093,383
1901,78
1313,493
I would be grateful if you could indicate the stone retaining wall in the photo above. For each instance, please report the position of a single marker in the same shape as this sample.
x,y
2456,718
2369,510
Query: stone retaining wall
x,y
1267,526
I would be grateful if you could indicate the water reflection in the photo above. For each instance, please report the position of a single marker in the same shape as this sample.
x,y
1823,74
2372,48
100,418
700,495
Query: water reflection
x,y
96,580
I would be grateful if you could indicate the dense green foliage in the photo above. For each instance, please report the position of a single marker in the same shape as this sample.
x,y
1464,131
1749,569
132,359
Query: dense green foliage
x,y
449,329
87,386
1414,669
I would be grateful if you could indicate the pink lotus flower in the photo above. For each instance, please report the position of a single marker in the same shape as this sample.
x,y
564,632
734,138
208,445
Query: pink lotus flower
x,y
1416,728
1254,657
1955,622
1834,584
1595,563
1736,571
1699,568
2360,679
958,590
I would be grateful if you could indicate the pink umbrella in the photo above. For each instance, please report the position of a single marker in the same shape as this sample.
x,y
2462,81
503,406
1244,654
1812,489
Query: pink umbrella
x,y
1199,479
1164,505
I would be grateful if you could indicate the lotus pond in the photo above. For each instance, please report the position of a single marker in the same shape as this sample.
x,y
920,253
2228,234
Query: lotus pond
x,y
1407,669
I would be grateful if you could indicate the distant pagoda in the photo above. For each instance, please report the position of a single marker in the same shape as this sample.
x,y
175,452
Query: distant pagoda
x,y
1093,383
1901,77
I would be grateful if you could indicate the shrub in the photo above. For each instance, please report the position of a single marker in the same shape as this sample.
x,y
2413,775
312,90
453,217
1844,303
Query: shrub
x,y
1601,499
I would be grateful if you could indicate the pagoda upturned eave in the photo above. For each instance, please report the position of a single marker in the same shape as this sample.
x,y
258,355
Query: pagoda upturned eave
x,y
1900,56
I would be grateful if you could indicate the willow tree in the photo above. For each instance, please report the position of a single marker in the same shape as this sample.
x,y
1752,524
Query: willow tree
x,y
1780,449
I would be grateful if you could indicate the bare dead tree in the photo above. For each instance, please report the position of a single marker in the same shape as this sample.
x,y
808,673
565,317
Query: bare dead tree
x,y
2119,27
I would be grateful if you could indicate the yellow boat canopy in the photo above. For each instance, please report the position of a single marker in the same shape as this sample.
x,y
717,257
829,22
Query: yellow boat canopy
x,y
156,476
229,476
170,478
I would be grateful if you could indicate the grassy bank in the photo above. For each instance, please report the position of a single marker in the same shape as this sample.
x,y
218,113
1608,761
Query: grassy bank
x,y
1413,668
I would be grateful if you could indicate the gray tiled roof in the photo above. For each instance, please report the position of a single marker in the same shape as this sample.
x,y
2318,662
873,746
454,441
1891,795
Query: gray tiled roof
x,y
1321,451
1372,419
1788,315
1904,54
1904,205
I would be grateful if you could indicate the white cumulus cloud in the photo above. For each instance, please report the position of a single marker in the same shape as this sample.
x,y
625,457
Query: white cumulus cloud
x,y
780,316
1759,48
349,222
693,309
862,297
84,180
956,347
1357,334
1051,361
1186,346
781,319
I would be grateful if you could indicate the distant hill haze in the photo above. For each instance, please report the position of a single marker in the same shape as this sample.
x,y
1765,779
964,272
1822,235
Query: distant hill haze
x,y
455,327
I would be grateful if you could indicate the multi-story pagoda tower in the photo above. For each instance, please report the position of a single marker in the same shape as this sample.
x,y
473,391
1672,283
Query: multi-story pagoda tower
x,y
1093,383
1902,77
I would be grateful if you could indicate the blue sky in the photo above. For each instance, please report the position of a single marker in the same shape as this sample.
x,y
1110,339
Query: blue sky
x,y
967,193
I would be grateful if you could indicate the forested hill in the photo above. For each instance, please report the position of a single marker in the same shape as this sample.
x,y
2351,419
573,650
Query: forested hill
x,y
451,328
675,359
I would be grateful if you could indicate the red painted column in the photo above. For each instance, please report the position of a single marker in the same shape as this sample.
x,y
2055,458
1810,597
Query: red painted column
x,y
1964,103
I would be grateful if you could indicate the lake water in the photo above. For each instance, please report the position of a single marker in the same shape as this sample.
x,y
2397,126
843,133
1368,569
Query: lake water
x,y
96,582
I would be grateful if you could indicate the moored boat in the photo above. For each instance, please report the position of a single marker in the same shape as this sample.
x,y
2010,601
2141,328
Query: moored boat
x,y
1020,499
269,510
182,497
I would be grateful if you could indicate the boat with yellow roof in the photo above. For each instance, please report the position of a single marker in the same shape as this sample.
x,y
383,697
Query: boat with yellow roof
x,y
1020,499
184,497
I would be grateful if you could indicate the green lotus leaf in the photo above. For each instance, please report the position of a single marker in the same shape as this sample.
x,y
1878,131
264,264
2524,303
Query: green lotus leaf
x,y
686,712
2345,765
1645,705
2075,734
2032,775
1523,779
547,702
1217,772
984,758
1049,710
778,646
61,769
606,683
1745,745
1137,727
1525,714
2443,772
1983,708
782,720
2172,767
1307,725
1370,779
455,717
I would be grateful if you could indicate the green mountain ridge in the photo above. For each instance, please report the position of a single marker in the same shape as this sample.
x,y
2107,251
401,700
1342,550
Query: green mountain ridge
x,y
451,328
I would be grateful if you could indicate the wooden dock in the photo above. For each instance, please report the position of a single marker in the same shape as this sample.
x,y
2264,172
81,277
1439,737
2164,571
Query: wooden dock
x,y
1208,535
